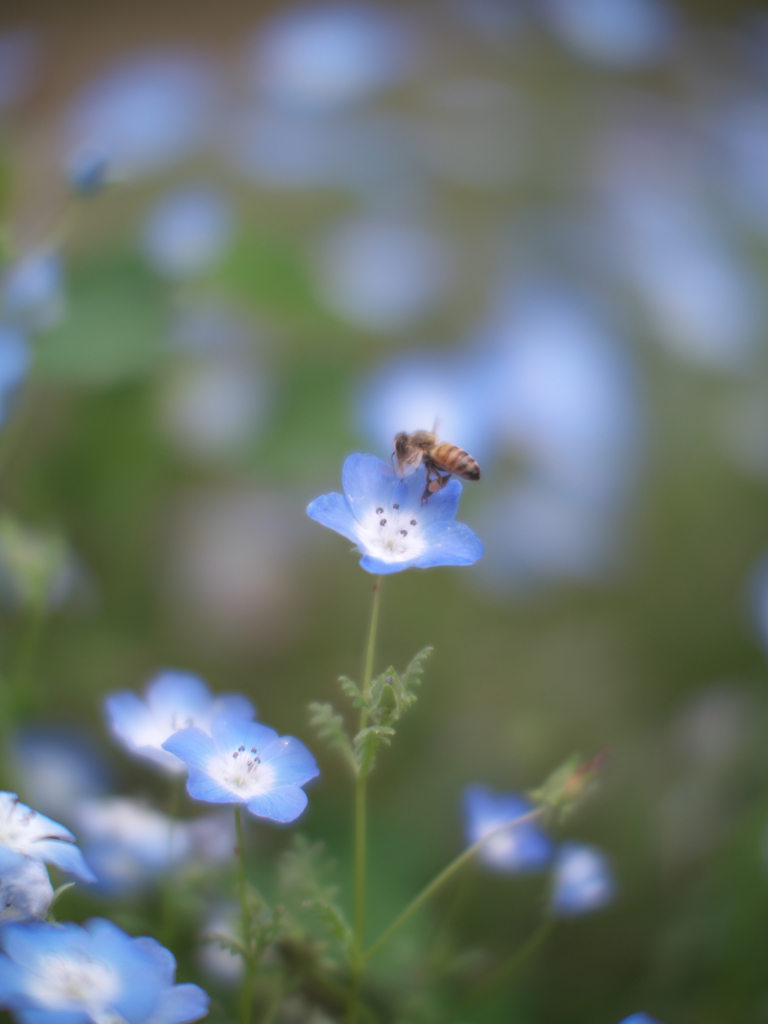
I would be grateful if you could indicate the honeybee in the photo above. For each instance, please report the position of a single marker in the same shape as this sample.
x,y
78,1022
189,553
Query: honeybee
x,y
441,460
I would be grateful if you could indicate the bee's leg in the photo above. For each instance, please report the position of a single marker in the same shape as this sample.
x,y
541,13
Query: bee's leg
x,y
439,483
429,486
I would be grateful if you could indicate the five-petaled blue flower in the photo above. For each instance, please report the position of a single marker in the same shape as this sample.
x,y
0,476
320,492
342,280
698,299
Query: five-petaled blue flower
x,y
97,974
383,515
33,835
246,762
523,847
174,700
583,880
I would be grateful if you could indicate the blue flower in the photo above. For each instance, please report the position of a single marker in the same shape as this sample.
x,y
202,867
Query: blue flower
x,y
129,843
246,762
26,832
583,880
174,700
25,888
15,361
639,1018
88,169
32,295
517,848
187,231
92,973
383,515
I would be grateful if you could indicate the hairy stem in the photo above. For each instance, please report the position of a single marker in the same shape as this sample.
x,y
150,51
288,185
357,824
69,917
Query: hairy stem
x,y
246,998
361,782
441,879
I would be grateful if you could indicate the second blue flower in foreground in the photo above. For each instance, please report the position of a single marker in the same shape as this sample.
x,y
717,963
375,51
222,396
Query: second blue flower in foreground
x,y
246,762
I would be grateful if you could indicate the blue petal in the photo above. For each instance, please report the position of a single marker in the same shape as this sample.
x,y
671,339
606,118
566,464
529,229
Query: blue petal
x,y
235,705
290,761
142,981
163,958
50,1017
441,505
284,804
450,543
177,692
380,568
230,733
193,746
202,787
367,482
65,856
180,1005
332,510
26,943
126,713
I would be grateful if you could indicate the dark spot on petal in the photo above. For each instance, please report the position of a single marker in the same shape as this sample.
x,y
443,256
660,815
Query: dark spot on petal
x,y
395,506
383,522
404,533
413,522
241,748
379,511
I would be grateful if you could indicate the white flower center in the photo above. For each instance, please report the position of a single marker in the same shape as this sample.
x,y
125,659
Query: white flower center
x,y
63,979
243,773
392,534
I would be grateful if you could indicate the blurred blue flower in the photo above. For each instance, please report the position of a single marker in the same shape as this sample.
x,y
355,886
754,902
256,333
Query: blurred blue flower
x,y
32,296
59,767
147,112
174,700
25,888
583,880
384,516
519,848
187,231
620,33
639,1018
15,362
758,594
383,274
96,972
129,844
328,55
246,762
414,391
88,169
26,832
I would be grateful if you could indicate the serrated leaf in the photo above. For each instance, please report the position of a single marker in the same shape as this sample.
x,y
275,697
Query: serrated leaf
x,y
333,918
330,727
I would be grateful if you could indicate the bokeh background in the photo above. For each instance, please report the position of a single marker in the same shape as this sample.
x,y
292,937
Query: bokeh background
x,y
542,223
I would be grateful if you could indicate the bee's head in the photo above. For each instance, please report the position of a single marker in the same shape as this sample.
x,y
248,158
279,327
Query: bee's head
x,y
401,444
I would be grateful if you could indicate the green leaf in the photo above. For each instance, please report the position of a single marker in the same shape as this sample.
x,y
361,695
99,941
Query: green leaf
x,y
330,727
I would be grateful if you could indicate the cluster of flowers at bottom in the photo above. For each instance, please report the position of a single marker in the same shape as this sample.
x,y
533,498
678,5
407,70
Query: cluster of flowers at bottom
x,y
93,972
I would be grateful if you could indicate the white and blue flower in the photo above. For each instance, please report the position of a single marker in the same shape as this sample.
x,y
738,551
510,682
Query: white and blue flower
x,y
639,1018
25,888
246,762
174,700
519,848
30,834
384,516
583,880
92,974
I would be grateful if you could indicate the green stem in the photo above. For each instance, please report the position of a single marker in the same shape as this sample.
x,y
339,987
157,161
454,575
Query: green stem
x,y
361,782
505,969
248,960
440,880
169,891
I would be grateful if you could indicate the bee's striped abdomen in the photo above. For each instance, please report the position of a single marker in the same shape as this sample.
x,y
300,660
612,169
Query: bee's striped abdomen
x,y
455,460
